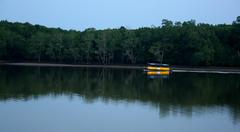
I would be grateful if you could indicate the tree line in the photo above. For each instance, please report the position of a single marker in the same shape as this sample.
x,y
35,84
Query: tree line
x,y
181,43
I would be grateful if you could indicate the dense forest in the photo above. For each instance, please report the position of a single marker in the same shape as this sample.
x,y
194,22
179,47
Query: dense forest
x,y
181,43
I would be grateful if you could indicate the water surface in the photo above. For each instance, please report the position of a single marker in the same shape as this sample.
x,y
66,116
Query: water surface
x,y
115,100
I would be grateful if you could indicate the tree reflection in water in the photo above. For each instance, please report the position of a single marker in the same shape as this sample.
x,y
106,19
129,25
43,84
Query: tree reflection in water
x,y
181,93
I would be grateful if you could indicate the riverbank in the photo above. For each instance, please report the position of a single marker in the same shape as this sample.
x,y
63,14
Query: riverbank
x,y
223,70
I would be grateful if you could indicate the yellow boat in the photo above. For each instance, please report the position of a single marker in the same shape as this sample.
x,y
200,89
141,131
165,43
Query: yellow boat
x,y
160,68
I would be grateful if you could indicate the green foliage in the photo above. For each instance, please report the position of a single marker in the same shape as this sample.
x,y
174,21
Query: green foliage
x,y
167,23
158,49
185,43
36,45
131,46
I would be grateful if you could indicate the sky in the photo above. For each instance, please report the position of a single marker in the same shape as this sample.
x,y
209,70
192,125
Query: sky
x,y
102,14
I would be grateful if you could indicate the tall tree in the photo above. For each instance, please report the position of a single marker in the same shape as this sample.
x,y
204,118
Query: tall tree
x,y
36,47
130,45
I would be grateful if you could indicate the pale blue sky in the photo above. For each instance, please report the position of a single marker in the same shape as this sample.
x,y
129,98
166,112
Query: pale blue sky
x,y
101,14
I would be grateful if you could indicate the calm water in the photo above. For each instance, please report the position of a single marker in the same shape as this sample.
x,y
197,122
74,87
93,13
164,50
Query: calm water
x,y
34,99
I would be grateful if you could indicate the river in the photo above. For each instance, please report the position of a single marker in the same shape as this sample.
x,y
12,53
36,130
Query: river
x,y
48,99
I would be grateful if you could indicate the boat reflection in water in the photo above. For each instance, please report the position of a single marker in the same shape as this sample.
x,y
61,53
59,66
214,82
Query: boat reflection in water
x,y
158,74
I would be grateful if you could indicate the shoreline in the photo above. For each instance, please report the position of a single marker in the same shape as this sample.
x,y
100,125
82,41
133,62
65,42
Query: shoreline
x,y
222,70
